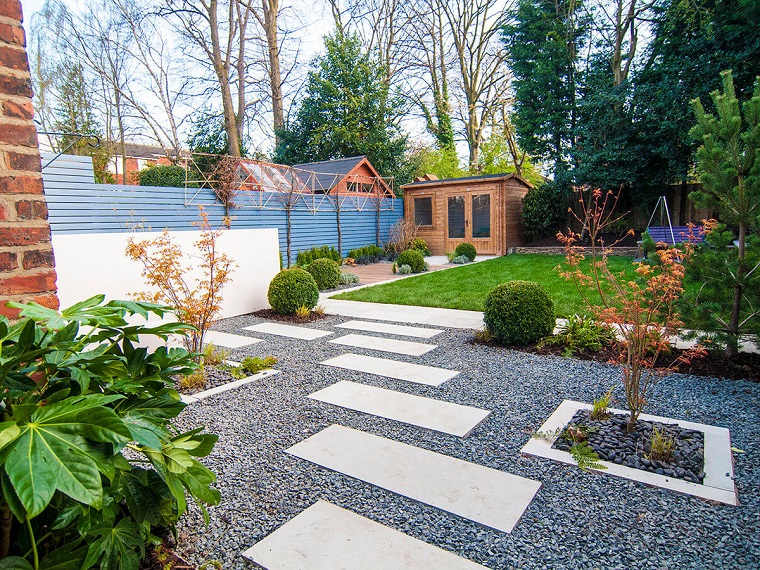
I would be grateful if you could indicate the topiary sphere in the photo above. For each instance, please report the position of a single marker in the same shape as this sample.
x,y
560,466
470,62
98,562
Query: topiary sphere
x,y
325,272
466,249
291,289
519,313
413,259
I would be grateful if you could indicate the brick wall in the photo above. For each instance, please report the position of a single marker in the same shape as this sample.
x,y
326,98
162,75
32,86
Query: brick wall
x,y
26,254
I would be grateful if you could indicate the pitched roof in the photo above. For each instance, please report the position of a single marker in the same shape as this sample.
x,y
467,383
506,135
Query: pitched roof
x,y
327,173
504,176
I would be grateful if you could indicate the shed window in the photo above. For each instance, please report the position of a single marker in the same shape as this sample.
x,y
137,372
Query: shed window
x,y
361,187
423,211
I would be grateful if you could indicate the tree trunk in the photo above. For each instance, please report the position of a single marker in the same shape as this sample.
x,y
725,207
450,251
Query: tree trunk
x,y
221,68
6,523
732,342
271,8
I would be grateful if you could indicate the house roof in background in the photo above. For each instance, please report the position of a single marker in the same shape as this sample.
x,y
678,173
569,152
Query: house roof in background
x,y
505,176
327,173
139,150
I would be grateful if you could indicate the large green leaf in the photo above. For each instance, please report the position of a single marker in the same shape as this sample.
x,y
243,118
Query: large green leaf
x,y
14,563
117,547
60,448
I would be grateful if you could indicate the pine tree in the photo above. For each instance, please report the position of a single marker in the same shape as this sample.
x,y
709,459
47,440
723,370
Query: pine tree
x,y
728,164
348,111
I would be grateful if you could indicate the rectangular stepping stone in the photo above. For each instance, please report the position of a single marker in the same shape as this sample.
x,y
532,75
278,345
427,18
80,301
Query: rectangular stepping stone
x,y
402,330
418,373
490,497
289,331
384,344
437,415
227,340
327,537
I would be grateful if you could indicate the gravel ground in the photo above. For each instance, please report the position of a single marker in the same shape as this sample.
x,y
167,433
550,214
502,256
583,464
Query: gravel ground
x,y
576,520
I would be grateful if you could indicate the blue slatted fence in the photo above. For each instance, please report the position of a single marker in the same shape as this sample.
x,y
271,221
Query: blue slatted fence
x,y
77,205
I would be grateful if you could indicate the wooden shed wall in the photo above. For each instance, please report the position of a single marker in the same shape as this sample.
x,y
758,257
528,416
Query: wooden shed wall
x,y
506,223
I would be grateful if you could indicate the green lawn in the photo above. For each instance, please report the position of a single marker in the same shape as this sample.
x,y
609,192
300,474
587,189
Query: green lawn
x,y
466,287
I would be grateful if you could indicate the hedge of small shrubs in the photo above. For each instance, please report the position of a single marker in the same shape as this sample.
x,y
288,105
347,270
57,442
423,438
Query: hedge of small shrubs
x,y
413,258
519,313
367,254
325,272
466,249
291,289
164,175
321,252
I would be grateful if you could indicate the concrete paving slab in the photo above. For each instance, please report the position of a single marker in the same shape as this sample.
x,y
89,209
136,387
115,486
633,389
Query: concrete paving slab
x,y
327,537
388,328
290,331
429,413
718,484
488,496
227,340
417,373
406,347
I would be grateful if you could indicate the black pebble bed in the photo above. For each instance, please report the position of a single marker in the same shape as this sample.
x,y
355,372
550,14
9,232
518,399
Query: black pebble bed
x,y
611,441
576,520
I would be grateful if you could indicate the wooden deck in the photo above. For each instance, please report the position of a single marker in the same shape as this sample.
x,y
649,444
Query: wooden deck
x,y
377,272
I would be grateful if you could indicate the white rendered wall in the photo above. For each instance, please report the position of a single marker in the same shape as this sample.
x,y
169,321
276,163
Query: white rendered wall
x,y
89,264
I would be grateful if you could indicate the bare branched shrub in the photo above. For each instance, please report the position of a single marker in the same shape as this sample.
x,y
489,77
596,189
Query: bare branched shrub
x,y
401,235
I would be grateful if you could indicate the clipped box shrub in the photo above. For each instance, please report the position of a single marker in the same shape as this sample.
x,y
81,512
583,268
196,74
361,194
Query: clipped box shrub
x,y
413,259
420,245
519,313
466,249
321,252
325,272
291,289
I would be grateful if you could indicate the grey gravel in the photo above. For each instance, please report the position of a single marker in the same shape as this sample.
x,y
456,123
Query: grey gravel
x,y
576,520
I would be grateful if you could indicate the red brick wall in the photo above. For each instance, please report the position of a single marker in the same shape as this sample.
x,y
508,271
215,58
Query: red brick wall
x,y
26,254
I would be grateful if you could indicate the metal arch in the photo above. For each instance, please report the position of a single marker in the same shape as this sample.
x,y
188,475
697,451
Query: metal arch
x,y
94,142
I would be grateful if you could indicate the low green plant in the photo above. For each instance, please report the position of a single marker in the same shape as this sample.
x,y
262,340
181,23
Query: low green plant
x,y
319,311
326,273
413,258
194,381
367,254
460,259
321,252
254,364
394,268
661,445
586,457
92,464
405,269
291,289
483,335
601,405
466,249
303,312
349,279
420,245
580,333
213,356
519,312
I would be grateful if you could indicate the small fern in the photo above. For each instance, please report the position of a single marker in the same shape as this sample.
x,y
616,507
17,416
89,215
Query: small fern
x,y
586,457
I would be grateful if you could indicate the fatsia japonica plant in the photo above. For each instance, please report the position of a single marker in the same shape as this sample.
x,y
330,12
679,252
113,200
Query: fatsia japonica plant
x,y
92,468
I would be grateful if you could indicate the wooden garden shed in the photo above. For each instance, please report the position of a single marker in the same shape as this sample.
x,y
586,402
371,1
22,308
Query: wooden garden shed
x,y
485,211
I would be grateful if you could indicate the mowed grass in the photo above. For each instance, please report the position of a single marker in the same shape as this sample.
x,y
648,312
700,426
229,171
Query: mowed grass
x,y
466,287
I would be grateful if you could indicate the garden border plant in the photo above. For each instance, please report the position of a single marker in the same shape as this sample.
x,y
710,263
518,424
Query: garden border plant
x,y
91,464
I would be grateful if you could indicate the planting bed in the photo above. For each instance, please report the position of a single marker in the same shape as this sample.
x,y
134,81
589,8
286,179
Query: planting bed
x,y
214,378
611,441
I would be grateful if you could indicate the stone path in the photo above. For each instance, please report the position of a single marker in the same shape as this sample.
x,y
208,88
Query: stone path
x,y
326,537
290,331
227,340
388,328
418,373
406,347
487,496
437,415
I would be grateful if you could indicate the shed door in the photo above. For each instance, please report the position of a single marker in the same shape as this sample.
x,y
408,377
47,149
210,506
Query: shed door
x,y
470,217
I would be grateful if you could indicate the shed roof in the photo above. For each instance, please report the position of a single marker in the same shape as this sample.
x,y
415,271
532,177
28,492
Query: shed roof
x,y
444,181
327,173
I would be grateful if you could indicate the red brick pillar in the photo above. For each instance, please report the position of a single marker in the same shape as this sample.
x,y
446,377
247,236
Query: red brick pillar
x,y
27,270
